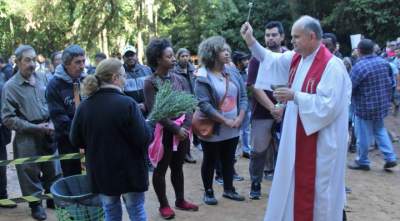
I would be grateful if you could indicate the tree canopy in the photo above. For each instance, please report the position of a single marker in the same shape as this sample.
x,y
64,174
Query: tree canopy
x,y
108,25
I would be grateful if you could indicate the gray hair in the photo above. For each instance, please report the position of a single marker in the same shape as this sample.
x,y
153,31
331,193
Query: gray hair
x,y
70,52
21,50
209,49
311,25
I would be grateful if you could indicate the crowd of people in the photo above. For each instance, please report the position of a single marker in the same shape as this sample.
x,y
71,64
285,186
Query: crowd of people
x,y
289,110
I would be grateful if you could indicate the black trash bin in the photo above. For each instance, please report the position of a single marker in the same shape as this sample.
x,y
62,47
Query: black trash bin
x,y
74,200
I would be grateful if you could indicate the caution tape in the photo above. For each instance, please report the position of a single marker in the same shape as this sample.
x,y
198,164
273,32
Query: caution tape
x,y
41,159
38,159
25,199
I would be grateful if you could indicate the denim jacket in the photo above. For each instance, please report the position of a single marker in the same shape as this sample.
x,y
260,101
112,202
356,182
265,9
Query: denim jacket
x,y
207,95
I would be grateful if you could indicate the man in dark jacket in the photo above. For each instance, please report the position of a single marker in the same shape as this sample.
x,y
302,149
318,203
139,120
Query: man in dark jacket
x,y
185,69
241,61
6,68
5,138
135,75
62,95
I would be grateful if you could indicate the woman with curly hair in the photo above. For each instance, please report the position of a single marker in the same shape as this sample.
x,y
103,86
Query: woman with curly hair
x,y
160,57
223,99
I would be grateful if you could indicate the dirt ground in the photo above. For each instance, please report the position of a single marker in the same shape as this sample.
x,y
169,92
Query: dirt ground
x,y
375,194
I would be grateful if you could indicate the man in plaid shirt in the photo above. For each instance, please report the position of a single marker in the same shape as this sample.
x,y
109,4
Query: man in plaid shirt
x,y
372,90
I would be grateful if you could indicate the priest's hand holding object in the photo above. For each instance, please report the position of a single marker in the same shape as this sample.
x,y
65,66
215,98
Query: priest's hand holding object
x,y
284,94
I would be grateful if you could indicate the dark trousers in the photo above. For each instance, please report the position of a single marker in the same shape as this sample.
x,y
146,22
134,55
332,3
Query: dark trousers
x,y
69,167
3,173
173,160
225,152
5,138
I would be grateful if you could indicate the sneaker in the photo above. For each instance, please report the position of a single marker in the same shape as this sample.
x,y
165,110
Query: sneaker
x,y
236,177
185,205
357,166
38,213
390,164
246,155
219,180
233,195
166,212
348,190
269,175
209,197
255,191
352,148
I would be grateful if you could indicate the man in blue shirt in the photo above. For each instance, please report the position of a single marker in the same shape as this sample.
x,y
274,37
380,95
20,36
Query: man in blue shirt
x,y
372,92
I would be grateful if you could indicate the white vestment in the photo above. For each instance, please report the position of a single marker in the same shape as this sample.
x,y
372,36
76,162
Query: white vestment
x,y
325,112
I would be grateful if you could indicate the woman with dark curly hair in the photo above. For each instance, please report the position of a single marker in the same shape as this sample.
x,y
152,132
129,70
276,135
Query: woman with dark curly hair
x,y
223,99
160,57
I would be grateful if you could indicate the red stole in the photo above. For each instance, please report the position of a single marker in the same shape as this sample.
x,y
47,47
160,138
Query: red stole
x,y
306,146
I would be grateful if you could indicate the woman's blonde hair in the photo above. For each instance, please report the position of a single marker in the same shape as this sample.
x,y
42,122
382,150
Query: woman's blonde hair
x,y
104,73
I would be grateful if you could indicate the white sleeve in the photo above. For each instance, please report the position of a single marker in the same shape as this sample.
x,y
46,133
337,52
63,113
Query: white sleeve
x,y
333,95
274,67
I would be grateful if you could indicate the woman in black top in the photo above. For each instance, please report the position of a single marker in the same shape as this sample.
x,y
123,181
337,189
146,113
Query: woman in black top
x,y
111,128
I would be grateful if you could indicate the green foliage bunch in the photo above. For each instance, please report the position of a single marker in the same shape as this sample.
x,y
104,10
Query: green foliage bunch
x,y
171,103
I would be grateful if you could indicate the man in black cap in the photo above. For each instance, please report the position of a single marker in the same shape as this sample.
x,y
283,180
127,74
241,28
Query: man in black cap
x,y
135,75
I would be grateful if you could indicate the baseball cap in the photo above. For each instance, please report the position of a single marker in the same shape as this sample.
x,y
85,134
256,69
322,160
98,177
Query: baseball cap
x,y
238,56
128,48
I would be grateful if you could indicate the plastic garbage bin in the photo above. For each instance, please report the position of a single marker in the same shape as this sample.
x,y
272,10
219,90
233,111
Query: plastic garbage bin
x,y
74,201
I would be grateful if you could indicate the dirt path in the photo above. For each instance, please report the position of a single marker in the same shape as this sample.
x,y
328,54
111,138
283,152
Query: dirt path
x,y
375,194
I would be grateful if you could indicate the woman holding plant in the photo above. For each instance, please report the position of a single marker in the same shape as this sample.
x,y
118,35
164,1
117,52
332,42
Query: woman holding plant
x,y
172,131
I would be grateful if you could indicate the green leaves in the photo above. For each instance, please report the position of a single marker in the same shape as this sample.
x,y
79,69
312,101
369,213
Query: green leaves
x,y
171,103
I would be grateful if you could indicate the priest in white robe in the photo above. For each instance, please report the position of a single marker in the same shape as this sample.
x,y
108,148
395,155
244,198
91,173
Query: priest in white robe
x,y
309,180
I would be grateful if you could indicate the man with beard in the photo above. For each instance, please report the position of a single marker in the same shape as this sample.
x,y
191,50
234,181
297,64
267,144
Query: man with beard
x,y
24,109
135,75
264,114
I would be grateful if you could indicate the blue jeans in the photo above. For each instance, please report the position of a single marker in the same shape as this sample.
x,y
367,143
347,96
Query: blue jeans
x,y
245,132
366,130
134,203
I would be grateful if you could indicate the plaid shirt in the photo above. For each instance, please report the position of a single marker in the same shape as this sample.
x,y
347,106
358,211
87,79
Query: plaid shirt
x,y
372,87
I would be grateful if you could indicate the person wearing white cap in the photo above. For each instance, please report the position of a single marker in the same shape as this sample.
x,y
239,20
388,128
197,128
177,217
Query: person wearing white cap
x,y
136,73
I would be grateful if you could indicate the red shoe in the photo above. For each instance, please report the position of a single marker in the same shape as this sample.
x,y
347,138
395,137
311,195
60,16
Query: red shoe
x,y
185,205
166,212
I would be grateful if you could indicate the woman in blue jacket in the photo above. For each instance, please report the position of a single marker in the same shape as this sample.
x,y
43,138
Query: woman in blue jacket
x,y
223,99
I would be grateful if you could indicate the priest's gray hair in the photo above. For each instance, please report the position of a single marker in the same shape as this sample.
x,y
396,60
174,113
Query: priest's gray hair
x,y
310,24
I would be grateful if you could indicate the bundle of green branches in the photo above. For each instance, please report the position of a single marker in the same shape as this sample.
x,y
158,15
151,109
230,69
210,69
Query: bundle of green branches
x,y
171,103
